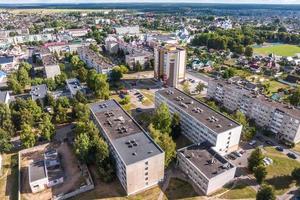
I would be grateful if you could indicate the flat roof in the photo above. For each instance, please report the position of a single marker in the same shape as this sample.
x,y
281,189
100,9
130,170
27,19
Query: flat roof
x,y
37,171
38,91
74,85
131,142
208,161
213,119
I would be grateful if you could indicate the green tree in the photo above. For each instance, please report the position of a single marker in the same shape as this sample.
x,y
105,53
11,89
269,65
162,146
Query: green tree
x,y
125,100
101,87
266,192
46,127
27,136
200,87
80,97
74,61
61,114
186,87
82,112
175,126
294,98
82,74
165,142
162,119
241,118
296,174
248,51
5,144
23,77
255,159
6,119
14,85
260,173
82,146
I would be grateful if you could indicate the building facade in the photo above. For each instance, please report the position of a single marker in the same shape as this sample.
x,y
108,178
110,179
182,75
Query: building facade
x,y
169,64
283,120
199,122
139,161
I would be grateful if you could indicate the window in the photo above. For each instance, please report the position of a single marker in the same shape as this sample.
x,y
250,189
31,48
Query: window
x,y
146,179
146,174
146,163
146,183
146,168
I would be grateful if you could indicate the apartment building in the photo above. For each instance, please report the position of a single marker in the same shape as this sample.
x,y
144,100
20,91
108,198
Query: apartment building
x,y
207,169
141,57
169,64
283,120
199,122
139,161
94,60
127,30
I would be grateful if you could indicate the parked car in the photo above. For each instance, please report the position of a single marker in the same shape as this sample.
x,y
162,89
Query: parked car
x,y
291,155
279,148
237,154
252,143
267,161
269,142
232,157
138,110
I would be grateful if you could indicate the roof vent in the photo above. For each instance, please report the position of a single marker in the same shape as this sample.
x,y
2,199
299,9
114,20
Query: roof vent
x,y
134,153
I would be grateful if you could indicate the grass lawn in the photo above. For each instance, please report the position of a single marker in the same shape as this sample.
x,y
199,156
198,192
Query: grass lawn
x,y
275,85
179,189
9,177
280,50
297,147
242,73
279,172
240,191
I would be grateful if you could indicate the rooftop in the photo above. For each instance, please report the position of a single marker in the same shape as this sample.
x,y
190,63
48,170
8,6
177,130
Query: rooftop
x,y
49,60
37,171
3,96
38,91
209,162
6,59
131,142
213,119
74,85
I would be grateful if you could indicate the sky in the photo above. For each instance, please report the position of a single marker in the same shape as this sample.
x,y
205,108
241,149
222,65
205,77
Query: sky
x,y
167,1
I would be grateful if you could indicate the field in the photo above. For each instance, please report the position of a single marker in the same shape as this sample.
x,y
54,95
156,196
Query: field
x,y
240,191
279,173
280,50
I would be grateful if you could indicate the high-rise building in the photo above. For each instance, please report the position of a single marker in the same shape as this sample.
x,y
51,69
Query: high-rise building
x,y
138,159
169,64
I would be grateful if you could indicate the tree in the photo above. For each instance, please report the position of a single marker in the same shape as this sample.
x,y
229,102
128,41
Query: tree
x,y
5,144
248,51
46,127
266,192
176,126
101,87
200,87
82,147
296,174
162,119
27,136
14,85
294,98
116,74
61,114
125,100
241,118
165,142
255,159
260,173
74,61
82,112
23,77
82,74
228,73
80,97
186,87
138,67
6,119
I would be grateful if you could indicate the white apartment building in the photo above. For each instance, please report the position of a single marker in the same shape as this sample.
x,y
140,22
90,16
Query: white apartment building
x,y
169,64
207,169
94,60
129,30
282,119
139,161
199,122
142,57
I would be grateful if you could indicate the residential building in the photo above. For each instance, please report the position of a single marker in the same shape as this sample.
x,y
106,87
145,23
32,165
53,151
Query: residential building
x,y
169,64
127,30
208,170
139,161
74,86
39,93
7,63
282,119
5,97
141,57
51,67
3,76
77,32
45,173
199,122
94,60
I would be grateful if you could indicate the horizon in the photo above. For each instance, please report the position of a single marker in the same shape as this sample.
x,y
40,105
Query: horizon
x,y
230,2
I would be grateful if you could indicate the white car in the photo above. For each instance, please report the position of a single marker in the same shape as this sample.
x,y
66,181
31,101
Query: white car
x,y
237,154
252,143
267,161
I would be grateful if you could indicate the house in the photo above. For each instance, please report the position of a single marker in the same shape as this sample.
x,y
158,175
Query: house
x,y
45,173
39,93
2,76
7,63
5,97
51,67
74,86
